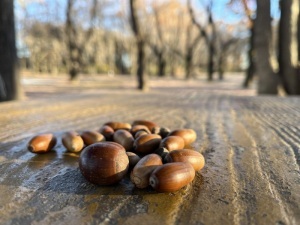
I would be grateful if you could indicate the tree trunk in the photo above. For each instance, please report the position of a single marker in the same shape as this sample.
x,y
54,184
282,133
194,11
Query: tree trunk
x,y
267,82
72,43
142,85
288,46
250,70
9,78
210,66
142,80
161,70
221,66
188,63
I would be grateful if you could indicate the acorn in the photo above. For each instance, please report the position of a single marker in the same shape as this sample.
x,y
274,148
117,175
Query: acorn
x,y
143,169
104,163
107,132
196,159
155,130
124,138
138,128
172,176
140,133
91,137
146,123
164,132
147,143
188,135
72,141
41,143
118,125
133,159
172,143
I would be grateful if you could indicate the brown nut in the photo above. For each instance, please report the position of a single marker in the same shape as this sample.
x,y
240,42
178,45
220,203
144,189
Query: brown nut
x,y
188,135
118,125
140,133
104,163
155,130
133,159
172,143
138,128
172,176
164,132
107,132
196,159
72,141
124,138
147,143
41,143
91,137
143,169
146,123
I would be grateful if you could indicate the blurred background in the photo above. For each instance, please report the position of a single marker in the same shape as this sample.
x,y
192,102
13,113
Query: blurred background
x,y
254,44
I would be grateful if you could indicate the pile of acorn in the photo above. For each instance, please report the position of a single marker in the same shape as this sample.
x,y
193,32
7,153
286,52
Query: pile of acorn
x,y
155,155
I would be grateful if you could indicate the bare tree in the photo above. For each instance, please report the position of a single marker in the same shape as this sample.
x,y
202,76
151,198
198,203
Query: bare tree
x,y
267,80
158,47
224,46
288,45
210,39
9,78
140,43
75,46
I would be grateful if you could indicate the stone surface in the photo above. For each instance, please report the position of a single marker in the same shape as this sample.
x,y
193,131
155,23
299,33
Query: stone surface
x,y
251,146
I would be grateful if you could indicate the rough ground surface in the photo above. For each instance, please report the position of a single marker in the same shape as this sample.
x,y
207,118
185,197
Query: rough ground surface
x,y
251,146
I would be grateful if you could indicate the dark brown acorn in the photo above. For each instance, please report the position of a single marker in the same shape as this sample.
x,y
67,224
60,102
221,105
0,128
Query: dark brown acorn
x,y
42,143
118,125
91,137
124,138
147,144
172,176
104,163
138,128
196,159
188,135
133,159
172,143
72,141
140,133
143,169
107,132
146,123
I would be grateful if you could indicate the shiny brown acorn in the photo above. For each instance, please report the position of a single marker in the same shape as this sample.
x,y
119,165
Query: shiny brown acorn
x,y
41,143
196,159
107,132
146,123
91,137
147,144
188,135
138,128
104,163
143,169
162,131
72,141
124,138
172,176
118,125
140,133
172,143
133,159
